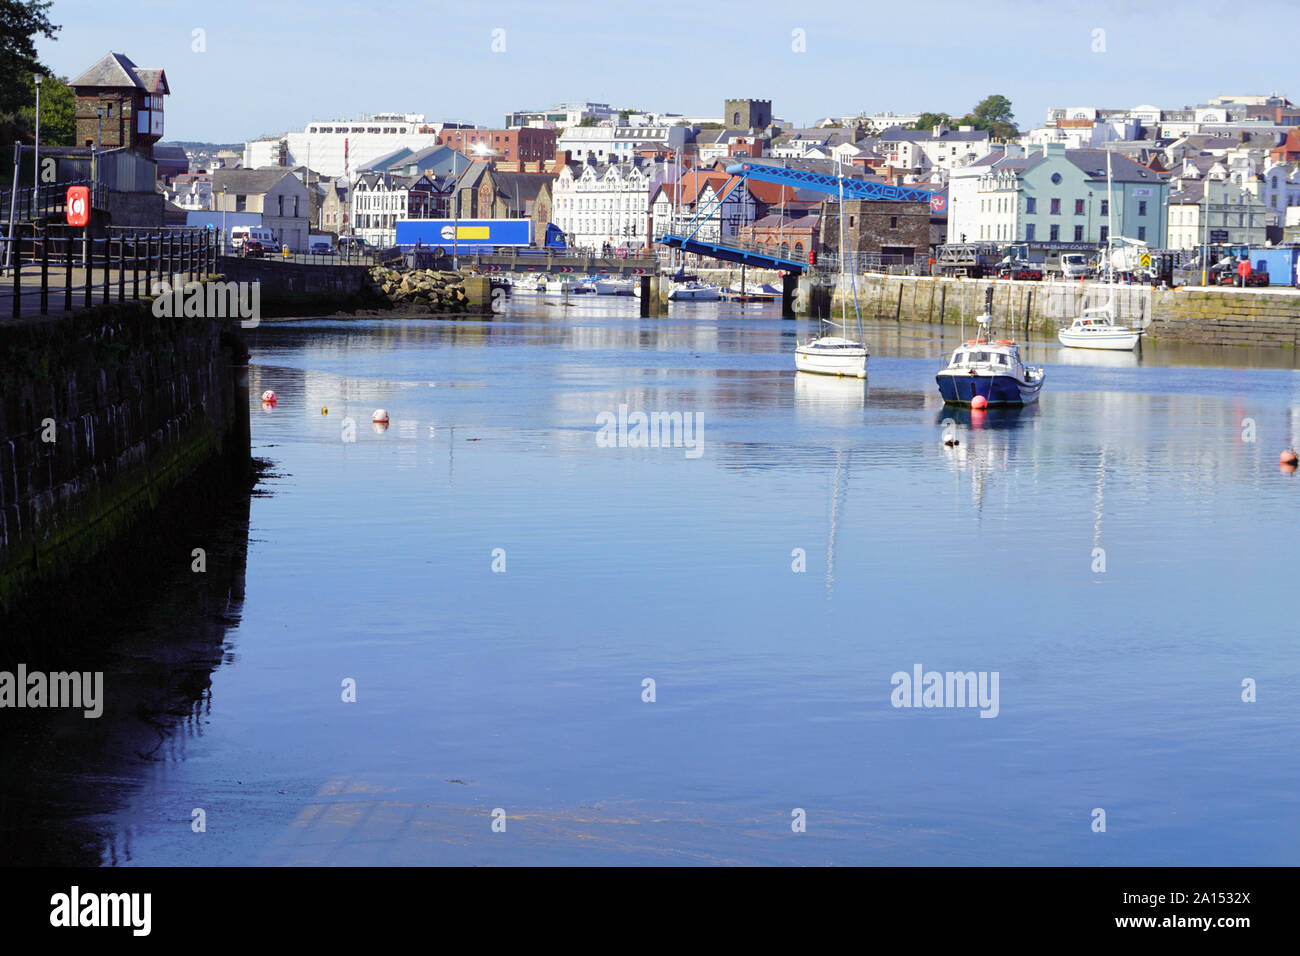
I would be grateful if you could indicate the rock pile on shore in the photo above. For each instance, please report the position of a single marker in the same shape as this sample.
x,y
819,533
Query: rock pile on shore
x,y
421,289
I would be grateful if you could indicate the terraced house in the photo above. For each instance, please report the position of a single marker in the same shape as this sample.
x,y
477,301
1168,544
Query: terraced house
x,y
1054,194
599,203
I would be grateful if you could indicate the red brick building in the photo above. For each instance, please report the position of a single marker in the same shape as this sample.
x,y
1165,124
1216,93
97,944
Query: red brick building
x,y
120,104
524,145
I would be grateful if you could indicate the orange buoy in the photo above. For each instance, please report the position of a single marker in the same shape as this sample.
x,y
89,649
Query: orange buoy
x,y
979,401
380,417
269,397
1289,457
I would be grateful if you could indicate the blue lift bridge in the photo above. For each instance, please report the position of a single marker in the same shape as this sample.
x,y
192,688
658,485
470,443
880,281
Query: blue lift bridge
x,y
688,240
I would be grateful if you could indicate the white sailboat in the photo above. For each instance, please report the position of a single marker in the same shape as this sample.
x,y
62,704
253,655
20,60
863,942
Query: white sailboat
x,y
835,354
1096,328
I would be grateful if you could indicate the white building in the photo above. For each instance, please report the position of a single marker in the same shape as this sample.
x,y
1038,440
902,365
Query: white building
x,y
344,147
599,203
1233,215
378,200
919,151
1280,191
618,144
562,116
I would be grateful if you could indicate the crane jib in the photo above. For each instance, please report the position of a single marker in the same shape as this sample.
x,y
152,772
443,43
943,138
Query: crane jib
x,y
823,183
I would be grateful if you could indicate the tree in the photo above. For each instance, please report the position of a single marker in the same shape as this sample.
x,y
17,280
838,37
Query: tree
x,y
58,112
21,22
993,113
931,120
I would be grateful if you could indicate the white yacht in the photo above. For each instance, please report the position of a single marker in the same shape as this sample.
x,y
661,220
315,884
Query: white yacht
x,y
832,355
693,292
611,285
1096,329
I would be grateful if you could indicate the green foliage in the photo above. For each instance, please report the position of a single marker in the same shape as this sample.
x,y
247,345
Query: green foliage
x,y
588,121
931,120
58,112
21,22
991,114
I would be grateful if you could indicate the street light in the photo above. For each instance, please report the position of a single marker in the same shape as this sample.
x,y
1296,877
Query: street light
x,y
36,172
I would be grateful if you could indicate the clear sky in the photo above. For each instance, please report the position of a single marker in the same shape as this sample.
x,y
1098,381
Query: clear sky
x,y
268,67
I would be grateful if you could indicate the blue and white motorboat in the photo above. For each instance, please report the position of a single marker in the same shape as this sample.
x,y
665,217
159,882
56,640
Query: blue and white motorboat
x,y
990,369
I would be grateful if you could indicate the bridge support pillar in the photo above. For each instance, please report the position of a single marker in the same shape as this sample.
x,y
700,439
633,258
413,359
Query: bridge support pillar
x,y
652,306
478,294
789,289
813,298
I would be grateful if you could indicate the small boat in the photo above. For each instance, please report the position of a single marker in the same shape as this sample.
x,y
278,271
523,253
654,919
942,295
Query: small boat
x,y
693,292
1096,329
991,370
832,355
752,292
613,286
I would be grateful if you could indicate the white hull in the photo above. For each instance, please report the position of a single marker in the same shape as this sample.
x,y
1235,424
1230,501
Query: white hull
x,y
1115,340
832,356
694,294
613,287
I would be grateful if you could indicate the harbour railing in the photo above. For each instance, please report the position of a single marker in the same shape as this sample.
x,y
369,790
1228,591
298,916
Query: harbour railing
x,y
61,268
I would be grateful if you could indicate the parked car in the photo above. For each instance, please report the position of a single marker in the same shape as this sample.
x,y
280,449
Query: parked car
x,y
253,247
353,246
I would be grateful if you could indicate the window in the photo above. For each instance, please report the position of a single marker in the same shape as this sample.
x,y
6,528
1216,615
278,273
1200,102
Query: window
x,y
1142,207
1142,232
1056,234
1029,232
1105,207
1078,233
1105,233
1056,208
1078,207
241,203
1031,205
893,222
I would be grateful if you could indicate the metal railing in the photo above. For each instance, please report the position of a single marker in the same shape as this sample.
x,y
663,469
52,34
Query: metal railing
x,y
35,202
62,267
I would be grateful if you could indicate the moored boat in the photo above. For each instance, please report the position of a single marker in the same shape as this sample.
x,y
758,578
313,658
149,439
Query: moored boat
x,y
693,292
1096,329
989,369
832,355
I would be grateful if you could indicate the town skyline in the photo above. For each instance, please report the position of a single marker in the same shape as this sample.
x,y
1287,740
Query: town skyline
x,y
886,59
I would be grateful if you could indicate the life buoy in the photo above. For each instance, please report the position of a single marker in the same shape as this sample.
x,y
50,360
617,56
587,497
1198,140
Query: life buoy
x,y
1005,342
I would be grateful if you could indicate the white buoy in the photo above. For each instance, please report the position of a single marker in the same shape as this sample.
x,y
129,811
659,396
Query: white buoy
x,y
380,417
269,397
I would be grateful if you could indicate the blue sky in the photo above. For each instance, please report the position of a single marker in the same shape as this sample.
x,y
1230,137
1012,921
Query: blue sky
x,y
272,66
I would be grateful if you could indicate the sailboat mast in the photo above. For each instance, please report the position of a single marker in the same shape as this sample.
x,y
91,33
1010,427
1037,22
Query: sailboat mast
x,y
1110,235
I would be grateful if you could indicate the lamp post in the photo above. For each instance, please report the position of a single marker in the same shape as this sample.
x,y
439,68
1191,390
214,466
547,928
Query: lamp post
x,y
36,150
94,156
223,220
1205,232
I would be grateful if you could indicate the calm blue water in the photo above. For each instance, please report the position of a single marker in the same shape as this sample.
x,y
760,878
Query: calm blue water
x,y
372,559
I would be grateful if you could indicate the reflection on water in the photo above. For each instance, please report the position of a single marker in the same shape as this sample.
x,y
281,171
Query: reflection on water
x,y
157,634
499,586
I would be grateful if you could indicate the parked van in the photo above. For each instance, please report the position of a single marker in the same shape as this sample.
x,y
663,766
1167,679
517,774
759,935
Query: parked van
x,y
239,234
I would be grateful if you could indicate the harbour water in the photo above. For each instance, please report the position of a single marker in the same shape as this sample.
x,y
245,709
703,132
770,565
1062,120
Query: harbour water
x,y
496,584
